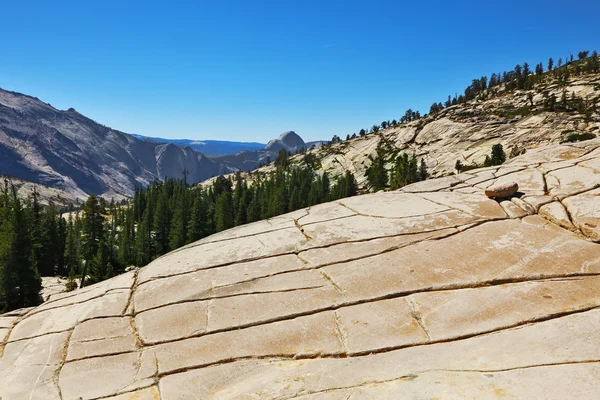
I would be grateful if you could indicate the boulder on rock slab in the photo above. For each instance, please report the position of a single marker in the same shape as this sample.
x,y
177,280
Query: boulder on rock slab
x,y
502,190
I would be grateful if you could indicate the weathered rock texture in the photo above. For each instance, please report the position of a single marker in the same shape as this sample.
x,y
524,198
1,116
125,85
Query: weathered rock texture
x,y
68,152
434,291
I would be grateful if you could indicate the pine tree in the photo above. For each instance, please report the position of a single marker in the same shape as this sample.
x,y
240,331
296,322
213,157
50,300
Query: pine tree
x,y
98,266
458,166
20,283
48,241
71,253
376,174
61,268
162,221
423,170
197,228
294,203
127,238
93,232
178,230
224,212
143,240
498,157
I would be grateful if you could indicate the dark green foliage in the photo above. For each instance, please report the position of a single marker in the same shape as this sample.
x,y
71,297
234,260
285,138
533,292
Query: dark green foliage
x,y
197,225
423,174
282,159
406,170
224,217
458,166
162,221
578,137
93,233
179,221
344,187
20,283
498,156
376,174
101,240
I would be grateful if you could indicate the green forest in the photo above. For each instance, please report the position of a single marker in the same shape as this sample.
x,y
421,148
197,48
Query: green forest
x,y
102,239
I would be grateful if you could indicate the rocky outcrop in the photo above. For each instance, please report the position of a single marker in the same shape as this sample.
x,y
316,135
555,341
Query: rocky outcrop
x,y
289,141
432,289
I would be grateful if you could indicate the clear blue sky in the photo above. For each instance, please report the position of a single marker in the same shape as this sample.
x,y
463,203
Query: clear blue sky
x,y
249,70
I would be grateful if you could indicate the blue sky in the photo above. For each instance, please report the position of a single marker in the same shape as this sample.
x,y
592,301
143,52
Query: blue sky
x,y
249,70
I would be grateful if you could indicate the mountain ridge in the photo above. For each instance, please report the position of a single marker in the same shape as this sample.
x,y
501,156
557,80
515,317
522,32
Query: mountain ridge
x,y
69,151
210,148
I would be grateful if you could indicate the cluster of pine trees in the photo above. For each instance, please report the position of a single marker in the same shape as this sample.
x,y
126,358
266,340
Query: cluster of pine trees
x,y
496,157
100,240
405,170
20,282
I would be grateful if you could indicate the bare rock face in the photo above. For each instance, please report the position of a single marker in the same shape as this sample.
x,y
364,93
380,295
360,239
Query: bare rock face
x,y
502,189
432,289
52,286
69,153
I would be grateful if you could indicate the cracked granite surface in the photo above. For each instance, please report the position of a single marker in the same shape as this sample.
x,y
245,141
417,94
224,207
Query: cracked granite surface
x,y
433,291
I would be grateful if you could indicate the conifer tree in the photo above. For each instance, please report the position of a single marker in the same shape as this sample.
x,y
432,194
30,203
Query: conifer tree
x,y
20,283
197,228
178,230
143,240
72,255
162,221
93,232
423,170
224,212
498,157
376,173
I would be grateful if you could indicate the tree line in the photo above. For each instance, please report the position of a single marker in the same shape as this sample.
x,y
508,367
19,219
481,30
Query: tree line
x,y
103,239
521,77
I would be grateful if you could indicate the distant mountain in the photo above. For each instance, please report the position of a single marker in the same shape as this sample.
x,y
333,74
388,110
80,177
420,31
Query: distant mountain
x,y
316,143
249,160
70,152
290,141
210,148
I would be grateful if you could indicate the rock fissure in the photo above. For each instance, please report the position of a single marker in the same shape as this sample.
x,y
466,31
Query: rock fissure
x,y
366,353
440,288
325,246
417,317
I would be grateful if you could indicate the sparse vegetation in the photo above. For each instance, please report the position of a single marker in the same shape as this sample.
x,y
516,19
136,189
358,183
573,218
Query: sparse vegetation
x,y
578,137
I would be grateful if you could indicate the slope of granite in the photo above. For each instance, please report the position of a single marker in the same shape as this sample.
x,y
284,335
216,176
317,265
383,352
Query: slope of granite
x,y
466,132
431,291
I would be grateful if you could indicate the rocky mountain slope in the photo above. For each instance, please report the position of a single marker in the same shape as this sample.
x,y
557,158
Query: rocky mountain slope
x,y
46,194
67,151
434,290
518,120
